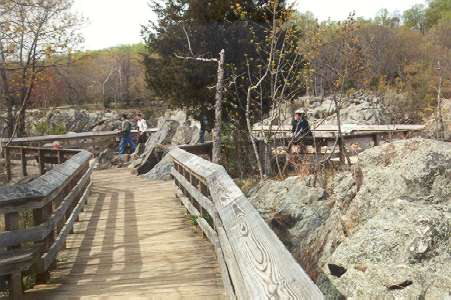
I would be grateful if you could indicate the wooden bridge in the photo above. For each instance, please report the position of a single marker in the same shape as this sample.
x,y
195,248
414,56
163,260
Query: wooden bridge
x,y
77,232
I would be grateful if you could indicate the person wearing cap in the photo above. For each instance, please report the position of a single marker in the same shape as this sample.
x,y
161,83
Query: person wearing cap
x,y
300,125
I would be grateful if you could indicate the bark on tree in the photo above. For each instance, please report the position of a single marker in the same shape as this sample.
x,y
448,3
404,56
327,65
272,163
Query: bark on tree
x,y
440,126
216,155
341,141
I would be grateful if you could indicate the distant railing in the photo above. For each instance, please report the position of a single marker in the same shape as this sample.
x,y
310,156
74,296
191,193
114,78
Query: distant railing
x,y
253,261
39,215
42,156
67,137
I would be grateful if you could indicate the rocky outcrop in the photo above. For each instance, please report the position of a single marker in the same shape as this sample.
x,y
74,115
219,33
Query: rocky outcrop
x,y
71,120
153,152
186,135
162,170
358,108
293,207
382,230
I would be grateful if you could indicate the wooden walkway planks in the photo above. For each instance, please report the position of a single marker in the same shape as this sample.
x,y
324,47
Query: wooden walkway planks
x,y
133,241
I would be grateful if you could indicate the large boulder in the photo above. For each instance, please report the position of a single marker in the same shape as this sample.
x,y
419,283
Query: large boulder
x,y
175,115
59,121
357,108
164,135
293,208
396,227
185,135
162,170
153,151
384,228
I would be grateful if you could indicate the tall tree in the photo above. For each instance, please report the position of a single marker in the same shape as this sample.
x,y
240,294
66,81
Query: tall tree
x,y
415,18
32,32
437,11
235,26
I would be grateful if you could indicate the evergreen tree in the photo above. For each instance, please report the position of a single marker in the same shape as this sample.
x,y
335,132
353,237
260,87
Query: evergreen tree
x,y
239,27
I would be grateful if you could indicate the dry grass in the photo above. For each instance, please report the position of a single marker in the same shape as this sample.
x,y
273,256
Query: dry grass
x,y
246,184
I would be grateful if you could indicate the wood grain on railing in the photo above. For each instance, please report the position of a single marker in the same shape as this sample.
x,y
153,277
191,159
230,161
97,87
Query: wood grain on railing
x,y
256,265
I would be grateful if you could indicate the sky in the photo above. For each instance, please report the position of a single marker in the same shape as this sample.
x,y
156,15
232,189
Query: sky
x,y
115,22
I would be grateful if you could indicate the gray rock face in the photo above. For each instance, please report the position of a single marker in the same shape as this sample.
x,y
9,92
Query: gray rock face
x,y
293,208
162,170
70,120
358,108
384,233
398,224
152,152
185,135
164,135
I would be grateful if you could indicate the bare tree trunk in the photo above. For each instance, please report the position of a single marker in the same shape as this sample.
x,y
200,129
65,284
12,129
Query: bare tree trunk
x,y
440,126
216,157
249,128
341,142
21,125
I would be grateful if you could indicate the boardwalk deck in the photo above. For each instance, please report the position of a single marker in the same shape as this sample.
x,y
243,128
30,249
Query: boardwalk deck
x,y
133,241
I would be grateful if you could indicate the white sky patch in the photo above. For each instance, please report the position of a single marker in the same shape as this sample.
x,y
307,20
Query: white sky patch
x,y
113,22
116,22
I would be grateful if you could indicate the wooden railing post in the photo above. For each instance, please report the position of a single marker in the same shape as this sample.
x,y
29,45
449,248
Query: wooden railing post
x,y
8,164
40,216
376,139
11,224
60,154
15,279
23,158
41,162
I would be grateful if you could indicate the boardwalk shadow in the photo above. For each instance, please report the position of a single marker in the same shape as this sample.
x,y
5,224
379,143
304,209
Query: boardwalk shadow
x,y
106,256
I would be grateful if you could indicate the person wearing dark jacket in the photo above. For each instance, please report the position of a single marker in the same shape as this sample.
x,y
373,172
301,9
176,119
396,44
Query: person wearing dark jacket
x,y
126,135
203,128
300,125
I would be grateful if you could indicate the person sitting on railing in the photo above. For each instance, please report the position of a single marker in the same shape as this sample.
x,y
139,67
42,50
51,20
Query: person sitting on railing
x,y
126,135
300,126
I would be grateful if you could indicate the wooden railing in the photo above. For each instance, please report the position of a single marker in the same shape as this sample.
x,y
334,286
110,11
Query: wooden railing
x,y
39,215
42,156
67,137
253,261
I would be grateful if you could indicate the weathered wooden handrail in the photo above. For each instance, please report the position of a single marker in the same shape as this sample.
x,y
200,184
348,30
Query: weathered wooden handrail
x,y
41,154
254,262
67,137
55,200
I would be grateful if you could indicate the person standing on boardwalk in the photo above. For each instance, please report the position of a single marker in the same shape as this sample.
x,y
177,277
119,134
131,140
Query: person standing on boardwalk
x,y
142,128
203,128
126,135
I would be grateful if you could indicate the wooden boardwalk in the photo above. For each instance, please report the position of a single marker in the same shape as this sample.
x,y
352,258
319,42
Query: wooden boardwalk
x,y
133,241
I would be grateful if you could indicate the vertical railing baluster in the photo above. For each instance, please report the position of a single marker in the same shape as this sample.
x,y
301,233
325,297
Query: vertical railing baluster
x,y
8,164
23,158
41,161
15,279
41,216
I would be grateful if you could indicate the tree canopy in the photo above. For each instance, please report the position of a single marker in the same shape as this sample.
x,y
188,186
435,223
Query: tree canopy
x,y
203,28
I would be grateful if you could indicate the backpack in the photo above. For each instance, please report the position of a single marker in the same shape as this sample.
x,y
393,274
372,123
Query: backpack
x,y
128,129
